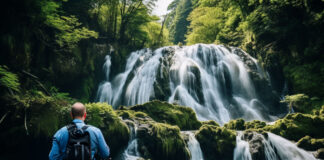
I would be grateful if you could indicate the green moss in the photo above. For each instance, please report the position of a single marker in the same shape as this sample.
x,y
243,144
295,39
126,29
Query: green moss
x,y
114,130
130,114
237,124
216,142
310,144
255,124
184,117
297,125
162,141
210,122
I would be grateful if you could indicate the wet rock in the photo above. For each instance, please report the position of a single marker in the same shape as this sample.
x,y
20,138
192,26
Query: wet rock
x,y
255,141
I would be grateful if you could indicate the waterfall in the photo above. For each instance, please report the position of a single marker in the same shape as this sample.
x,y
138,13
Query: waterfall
x,y
241,151
131,152
274,148
193,146
215,81
288,150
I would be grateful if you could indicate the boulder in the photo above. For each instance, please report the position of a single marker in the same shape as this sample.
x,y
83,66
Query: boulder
x,y
310,144
256,146
216,142
161,141
184,117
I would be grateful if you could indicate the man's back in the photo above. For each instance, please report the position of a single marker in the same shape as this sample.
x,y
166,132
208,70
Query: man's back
x,y
61,138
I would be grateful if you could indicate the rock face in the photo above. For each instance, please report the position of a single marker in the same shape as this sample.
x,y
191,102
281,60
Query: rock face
x,y
256,145
161,141
216,142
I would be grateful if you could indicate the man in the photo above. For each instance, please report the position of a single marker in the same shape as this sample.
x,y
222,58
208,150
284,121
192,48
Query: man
x,y
61,137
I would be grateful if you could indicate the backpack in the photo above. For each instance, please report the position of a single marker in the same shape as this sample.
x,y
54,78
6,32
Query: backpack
x,y
79,144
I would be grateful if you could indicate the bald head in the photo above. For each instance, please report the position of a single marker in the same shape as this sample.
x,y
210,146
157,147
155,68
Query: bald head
x,y
78,110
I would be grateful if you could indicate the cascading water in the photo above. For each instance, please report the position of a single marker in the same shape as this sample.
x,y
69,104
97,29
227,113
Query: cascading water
x,y
274,148
213,80
131,152
193,146
242,150
219,83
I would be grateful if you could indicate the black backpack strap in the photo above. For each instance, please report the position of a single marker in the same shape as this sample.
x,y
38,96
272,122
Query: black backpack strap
x,y
71,126
84,128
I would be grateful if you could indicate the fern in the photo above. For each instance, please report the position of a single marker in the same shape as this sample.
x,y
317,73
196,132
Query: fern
x,y
8,79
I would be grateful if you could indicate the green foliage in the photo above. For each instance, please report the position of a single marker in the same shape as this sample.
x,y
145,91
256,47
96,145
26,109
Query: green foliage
x,y
115,131
156,36
8,79
70,30
184,117
268,29
310,144
216,142
306,78
299,101
177,21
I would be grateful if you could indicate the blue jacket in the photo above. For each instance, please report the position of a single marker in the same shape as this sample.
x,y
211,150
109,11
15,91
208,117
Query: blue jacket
x,y
61,137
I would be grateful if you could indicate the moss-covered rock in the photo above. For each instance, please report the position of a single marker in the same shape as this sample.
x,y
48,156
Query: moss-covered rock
x,y
114,130
130,114
255,124
210,122
297,125
256,144
310,144
161,141
237,124
184,117
320,153
216,142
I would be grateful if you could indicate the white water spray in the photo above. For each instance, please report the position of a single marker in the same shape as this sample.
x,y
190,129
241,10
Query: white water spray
x,y
275,147
211,79
193,146
131,152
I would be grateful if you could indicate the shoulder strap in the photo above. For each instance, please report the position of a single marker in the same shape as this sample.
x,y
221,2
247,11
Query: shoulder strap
x,y
84,128
70,127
